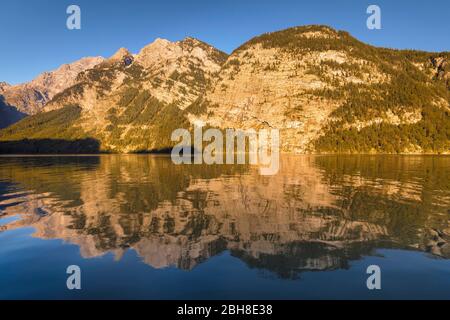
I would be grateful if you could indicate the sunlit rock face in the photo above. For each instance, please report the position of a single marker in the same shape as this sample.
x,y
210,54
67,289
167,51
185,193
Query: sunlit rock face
x,y
172,72
314,84
31,97
317,213
22,100
132,102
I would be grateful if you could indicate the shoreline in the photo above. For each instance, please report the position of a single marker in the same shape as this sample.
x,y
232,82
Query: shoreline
x,y
6,155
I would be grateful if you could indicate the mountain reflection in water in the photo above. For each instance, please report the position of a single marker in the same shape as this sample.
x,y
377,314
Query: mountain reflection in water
x,y
318,213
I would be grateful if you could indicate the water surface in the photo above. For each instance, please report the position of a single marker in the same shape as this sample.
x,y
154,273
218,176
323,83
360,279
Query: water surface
x,y
141,227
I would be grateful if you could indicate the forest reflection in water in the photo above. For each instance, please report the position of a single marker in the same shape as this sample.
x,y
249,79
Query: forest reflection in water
x,y
318,213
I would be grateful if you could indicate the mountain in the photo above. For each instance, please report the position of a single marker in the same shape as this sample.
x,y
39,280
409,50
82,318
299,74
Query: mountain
x,y
129,102
171,72
327,92
4,86
30,98
324,90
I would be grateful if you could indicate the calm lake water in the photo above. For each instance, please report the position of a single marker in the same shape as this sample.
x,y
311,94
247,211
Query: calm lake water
x,y
140,227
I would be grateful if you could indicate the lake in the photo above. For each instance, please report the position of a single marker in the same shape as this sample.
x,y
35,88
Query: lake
x,y
140,227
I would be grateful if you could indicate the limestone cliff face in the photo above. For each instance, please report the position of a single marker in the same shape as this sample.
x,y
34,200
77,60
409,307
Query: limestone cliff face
x,y
441,68
268,87
30,98
309,81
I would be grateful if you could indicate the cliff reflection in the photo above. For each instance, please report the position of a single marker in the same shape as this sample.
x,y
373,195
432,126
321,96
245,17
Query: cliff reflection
x,y
317,213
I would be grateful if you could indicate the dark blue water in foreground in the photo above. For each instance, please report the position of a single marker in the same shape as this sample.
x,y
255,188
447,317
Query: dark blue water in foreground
x,y
142,228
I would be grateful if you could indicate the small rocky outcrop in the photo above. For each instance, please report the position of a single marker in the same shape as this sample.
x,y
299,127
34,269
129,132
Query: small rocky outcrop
x,y
439,242
122,56
4,86
441,67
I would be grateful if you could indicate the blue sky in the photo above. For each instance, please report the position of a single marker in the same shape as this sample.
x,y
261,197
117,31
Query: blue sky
x,y
34,37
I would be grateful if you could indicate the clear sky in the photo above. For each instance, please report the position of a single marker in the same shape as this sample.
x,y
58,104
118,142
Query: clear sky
x,y
34,37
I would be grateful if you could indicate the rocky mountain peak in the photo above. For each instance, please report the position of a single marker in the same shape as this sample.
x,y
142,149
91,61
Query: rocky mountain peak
x,y
293,37
441,66
159,51
158,45
165,52
193,42
191,39
31,97
3,86
122,55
